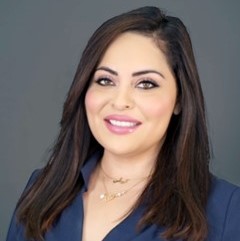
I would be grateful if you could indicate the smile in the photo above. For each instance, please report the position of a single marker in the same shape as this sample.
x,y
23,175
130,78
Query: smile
x,y
121,125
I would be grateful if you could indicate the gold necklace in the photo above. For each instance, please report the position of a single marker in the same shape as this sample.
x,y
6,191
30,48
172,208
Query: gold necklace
x,y
114,180
107,196
120,180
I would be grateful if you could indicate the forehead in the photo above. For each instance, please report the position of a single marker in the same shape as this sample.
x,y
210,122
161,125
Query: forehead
x,y
135,48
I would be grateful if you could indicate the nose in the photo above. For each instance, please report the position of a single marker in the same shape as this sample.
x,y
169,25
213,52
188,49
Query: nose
x,y
123,99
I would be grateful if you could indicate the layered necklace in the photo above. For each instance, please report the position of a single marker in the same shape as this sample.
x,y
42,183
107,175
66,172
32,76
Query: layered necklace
x,y
109,196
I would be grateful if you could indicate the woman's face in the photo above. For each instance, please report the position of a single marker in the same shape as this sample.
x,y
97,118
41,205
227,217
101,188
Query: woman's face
x,y
132,97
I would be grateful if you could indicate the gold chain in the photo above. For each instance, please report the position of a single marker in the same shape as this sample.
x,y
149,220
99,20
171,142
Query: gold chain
x,y
120,180
108,196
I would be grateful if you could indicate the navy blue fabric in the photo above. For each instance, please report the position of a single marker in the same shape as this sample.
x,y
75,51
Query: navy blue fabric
x,y
223,214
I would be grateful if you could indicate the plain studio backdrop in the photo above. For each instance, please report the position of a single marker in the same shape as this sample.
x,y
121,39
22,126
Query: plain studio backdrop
x,y
40,45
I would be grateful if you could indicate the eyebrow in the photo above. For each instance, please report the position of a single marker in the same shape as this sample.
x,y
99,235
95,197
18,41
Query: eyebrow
x,y
142,72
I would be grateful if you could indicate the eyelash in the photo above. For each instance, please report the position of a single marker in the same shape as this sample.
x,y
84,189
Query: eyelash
x,y
141,84
105,79
148,82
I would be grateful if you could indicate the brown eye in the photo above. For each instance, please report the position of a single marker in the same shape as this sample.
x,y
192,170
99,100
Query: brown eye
x,y
147,84
104,82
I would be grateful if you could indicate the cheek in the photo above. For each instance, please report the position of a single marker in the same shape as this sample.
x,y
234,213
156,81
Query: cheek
x,y
158,108
91,101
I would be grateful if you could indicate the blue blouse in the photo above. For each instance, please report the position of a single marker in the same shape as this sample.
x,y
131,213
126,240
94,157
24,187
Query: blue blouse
x,y
223,215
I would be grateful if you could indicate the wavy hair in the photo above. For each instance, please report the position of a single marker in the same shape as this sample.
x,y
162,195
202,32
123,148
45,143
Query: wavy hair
x,y
177,193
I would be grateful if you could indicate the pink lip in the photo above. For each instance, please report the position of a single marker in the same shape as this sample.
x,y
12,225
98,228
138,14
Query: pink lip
x,y
121,130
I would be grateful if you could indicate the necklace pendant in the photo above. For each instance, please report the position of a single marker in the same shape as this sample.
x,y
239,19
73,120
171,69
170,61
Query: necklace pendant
x,y
107,196
120,180
111,196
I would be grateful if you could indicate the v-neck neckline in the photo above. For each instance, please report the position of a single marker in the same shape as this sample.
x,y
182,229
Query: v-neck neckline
x,y
122,230
70,224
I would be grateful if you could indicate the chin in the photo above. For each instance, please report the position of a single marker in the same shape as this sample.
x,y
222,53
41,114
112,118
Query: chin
x,y
120,151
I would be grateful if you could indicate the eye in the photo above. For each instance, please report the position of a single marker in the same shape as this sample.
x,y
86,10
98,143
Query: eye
x,y
147,84
104,81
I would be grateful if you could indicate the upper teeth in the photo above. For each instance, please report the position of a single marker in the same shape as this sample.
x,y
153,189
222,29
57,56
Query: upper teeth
x,y
122,123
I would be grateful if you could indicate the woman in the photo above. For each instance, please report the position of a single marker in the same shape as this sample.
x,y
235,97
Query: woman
x,y
131,159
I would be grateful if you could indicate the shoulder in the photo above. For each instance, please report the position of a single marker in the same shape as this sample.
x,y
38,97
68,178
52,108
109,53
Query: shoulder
x,y
16,229
221,191
223,210
33,177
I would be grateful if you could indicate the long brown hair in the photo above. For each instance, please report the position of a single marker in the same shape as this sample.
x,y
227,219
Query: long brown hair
x,y
178,190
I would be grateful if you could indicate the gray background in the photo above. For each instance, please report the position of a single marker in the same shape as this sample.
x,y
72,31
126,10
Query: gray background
x,y
40,45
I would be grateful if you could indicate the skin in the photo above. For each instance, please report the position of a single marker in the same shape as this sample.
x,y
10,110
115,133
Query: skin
x,y
151,99
120,88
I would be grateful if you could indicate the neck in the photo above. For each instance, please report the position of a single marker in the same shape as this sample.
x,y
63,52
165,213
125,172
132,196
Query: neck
x,y
127,167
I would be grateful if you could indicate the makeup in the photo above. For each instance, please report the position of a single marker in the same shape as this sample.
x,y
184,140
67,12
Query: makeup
x,y
121,125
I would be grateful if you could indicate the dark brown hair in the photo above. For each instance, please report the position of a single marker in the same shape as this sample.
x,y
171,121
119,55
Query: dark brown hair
x,y
178,190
